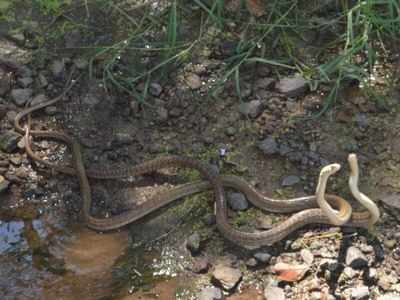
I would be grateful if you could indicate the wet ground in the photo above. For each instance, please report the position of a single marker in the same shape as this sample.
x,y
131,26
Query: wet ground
x,y
47,253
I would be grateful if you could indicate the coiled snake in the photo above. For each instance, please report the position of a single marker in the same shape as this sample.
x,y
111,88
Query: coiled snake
x,y
309,213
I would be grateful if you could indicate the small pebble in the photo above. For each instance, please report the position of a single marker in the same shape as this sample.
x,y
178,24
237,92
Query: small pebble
x,y
355,258
200,265
4,184
269,146
263,257
155,89
237,201
251,109
227,277
359,293
193,242
292,86
389,243
50,110
210,293
307,256
274,293
230,131
9,141
251,262
290,180
193,81
21,96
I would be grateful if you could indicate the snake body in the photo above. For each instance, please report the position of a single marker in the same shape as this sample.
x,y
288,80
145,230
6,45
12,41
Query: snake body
x,y
309,213
336,218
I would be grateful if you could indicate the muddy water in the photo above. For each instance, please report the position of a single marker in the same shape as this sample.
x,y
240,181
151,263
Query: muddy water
x,y
40,262
43,258
88,259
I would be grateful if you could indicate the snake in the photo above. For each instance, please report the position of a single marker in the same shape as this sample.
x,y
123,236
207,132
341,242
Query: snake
x,y
309,213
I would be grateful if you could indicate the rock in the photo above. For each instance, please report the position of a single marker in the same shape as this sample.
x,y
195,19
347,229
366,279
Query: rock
x,y
295,156
210,293
361,292
162,114
57,68
200,265
349,272
390,296
361,120
9,141
237,201
42,80
81,63
227,277
193,81
372,274
264,83
366,248
290,272
385,281
51,110
175,112
155,89
264,222
4,163
292,86
274,293
16,160
262,257
389,243
5,82
4,184
122,138
316,295
268,146
230,131
11,116
290,180
355,258
251,109
21,96
25,81
41,98
251,262
193,242
307,256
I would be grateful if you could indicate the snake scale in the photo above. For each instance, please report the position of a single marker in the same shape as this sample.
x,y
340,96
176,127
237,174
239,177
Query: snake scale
x,y
307,206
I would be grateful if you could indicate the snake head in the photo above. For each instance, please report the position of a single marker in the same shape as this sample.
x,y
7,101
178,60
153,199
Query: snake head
x,y
330,169
353,163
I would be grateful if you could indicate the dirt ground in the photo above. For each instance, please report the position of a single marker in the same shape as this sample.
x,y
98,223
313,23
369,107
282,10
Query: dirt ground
x,y
266,137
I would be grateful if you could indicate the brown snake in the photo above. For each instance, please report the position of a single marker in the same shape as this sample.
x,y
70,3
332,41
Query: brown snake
x,y
309,214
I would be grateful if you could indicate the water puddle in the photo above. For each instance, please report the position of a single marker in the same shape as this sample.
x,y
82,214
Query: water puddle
x,y
88,258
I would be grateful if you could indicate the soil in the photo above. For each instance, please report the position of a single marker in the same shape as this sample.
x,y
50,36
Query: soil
x,y
47,253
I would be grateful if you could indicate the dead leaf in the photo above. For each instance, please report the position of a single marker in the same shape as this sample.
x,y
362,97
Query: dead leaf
x,y
255,7
291,273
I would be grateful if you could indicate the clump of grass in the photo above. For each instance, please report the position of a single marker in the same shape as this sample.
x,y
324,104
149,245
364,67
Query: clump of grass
x,y
52,6
349,34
